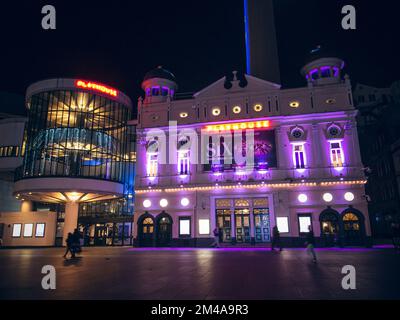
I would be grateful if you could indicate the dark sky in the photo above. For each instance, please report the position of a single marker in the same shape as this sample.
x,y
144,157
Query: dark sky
x,y
116,42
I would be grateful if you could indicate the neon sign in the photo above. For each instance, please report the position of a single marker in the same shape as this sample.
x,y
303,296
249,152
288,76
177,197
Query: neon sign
x,y
239,126
96,86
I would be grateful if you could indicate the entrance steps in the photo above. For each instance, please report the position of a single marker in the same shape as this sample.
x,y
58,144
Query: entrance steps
x,y
245,245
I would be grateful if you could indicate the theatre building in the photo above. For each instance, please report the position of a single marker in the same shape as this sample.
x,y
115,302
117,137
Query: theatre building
x,y
307,168
72,163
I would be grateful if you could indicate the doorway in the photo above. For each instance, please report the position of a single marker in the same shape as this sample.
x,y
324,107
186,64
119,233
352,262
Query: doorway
x,y
329,221
146,231
164,229
353,228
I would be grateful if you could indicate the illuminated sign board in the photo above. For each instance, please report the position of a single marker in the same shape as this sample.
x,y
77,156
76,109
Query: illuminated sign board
x,y
239,126
96,86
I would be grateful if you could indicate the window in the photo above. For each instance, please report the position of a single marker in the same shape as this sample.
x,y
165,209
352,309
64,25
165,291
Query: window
x,y
204,226
361,99
40,228
236,109
283,224
184,226
299,157
10,151
216,111
183,161
164,91
372,97
304,222
155,91
258,107
28,230
325,72
152,164
337,157
16,233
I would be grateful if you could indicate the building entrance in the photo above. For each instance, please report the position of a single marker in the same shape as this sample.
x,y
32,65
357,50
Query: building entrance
x,y
352,229
243,220
146,231
164,230
242,225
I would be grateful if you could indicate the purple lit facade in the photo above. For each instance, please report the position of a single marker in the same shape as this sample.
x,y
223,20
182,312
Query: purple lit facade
x,y
307,158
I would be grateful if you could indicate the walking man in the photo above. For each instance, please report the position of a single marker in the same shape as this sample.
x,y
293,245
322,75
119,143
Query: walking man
x,y
396,236
76,241
310,242
216,238
69,244
276,239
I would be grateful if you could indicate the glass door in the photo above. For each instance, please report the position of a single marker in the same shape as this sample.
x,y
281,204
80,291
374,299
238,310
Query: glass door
x,y
262,231
224,224
242,225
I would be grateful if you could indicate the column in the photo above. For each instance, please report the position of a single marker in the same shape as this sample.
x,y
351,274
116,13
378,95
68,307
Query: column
x,y
316,148
252,224
26,206
282,162
233,227
71,219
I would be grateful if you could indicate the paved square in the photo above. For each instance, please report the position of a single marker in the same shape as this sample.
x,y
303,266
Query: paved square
x,y
188,273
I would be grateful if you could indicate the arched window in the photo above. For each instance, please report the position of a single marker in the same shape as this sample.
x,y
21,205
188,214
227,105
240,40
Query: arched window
x,y
152,158
148,225
350,217
351,222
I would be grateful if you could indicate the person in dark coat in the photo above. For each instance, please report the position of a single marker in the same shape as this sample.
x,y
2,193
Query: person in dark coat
x,y
396,235
310,243
76,246
69,244
276,239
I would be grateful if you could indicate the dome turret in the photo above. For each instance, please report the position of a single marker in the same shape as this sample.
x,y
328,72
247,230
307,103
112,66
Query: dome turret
x,y
322,68
159,84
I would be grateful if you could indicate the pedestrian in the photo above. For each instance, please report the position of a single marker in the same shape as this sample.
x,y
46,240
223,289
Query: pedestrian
x,y
216,238
310,243
76,245
276,239
396,235
69,244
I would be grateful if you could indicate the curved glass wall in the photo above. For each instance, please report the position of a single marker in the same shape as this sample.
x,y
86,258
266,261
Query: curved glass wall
x,y
77,134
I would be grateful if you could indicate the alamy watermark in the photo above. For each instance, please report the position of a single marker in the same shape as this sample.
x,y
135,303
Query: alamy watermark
x,y
349,280
49,20
49,280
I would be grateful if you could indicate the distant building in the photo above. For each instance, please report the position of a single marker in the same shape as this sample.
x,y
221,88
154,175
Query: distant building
x,y
379,132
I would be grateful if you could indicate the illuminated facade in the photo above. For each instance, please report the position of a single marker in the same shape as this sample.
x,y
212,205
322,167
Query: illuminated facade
x,y
306,171
78,163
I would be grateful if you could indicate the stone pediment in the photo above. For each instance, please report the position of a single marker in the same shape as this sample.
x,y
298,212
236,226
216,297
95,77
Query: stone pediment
x,y
248,84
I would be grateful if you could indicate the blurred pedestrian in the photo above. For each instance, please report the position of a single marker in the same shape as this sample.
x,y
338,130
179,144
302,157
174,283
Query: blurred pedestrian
x,y
396,235
216,238
310,243
69,244
276,239
76,245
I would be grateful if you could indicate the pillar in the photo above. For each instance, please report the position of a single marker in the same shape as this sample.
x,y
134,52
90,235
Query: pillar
x,y
71,219
26,206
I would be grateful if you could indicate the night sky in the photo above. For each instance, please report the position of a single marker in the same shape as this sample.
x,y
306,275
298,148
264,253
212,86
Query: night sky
x,y
117,42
